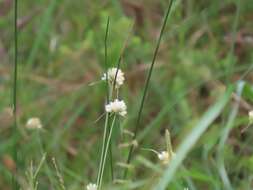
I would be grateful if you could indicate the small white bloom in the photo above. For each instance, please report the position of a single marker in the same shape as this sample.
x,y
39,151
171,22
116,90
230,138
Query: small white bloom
x,y
111,76
165,157
117,106
33,123
91,186
251,116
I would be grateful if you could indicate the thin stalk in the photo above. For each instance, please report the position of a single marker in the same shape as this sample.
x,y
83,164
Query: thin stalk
x,y
120,57
108,88
107,101
14,129
106,150
110,94
103,148
147,84
111,160
106,64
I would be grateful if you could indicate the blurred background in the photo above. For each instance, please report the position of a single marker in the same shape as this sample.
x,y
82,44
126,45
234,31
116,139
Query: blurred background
x,y
206,46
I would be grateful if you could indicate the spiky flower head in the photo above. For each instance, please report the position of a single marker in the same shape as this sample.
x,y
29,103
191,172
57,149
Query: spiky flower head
x,y
116,106
111,73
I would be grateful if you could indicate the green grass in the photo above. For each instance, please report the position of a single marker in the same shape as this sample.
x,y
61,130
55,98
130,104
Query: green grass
x,y
200,58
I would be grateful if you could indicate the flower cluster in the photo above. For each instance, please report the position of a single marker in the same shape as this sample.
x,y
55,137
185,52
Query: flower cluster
x,y
91,186
111,74
116,106
115,78
33,123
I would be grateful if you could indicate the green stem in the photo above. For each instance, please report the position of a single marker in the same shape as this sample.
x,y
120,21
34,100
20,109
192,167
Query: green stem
x,y
147,84
107,101
14,129
106,151
111,160
103,148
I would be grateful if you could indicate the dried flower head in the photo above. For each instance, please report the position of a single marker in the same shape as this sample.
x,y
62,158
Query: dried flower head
x,y
251,116
165,156
111,73
91,186
33,123
117,106
168,155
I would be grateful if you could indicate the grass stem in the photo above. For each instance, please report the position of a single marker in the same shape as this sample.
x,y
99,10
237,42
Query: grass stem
x,y
147,84
106,151
14,129
107,101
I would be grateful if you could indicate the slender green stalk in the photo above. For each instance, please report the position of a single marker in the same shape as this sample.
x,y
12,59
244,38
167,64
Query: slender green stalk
x,y
111,160
103,148
106,150
147,84
120,57
109,96
107,101
108,88
106,64
14,129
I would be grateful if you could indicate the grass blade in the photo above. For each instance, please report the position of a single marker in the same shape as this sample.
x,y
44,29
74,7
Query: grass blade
x,y
147,84
192,138
14,128
106,151
224,137
107,114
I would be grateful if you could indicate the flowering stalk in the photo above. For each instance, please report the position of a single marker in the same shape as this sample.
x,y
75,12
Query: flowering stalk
x,y
106,151
105,77
117,107
114,78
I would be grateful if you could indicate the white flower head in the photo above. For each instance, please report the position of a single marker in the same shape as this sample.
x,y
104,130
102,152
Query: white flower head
x,y
165,156
33,123
117,106
251,116
111,73
91,186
